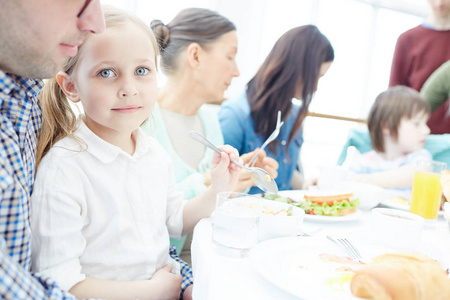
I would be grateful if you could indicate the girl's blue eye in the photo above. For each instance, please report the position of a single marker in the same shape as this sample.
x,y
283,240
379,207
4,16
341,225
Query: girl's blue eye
x,y
142,71
106,73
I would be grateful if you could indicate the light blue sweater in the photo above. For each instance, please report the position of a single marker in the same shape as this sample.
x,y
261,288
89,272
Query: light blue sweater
x,y
188,180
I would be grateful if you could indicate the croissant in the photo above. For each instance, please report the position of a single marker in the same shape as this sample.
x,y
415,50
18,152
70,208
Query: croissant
x,y
407,276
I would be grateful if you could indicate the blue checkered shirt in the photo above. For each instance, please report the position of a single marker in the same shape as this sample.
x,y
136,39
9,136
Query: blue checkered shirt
x,y
20,120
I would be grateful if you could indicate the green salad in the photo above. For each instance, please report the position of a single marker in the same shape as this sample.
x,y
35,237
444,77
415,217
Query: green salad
x,y
325,209
316,208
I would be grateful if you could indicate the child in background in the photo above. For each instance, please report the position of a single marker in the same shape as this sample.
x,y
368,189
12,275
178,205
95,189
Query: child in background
x,y
398,129
104,203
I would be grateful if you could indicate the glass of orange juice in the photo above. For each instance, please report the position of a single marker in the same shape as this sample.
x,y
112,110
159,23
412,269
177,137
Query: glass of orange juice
x,y
427,190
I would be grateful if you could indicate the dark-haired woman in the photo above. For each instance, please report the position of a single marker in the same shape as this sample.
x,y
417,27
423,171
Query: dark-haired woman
x,y
292,70
198,50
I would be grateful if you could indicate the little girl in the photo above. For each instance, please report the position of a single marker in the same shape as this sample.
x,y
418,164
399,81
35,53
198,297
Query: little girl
x,y
398,129
104,203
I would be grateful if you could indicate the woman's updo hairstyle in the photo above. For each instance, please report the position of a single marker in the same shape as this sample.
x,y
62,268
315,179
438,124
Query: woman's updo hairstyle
x,y
191,25
161,33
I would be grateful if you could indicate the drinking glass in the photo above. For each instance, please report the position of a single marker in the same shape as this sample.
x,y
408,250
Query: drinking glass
x,y
236,220
427,189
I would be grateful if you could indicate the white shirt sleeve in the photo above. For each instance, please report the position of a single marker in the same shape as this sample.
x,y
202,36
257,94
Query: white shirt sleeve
x,y
175,204
56,224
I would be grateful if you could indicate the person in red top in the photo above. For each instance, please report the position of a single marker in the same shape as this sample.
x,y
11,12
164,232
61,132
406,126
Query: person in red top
x,y
420,51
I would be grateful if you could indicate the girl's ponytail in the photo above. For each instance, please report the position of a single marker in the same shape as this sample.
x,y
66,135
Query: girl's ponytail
x,y
58,119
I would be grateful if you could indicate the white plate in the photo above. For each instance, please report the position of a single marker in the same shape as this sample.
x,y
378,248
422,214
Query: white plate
x,y
393,204
297,195
403,206
272,226
293,265
319,218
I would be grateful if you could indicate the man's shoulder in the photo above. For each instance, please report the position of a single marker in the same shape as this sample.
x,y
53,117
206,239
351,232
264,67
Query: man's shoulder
x,y
420,33
413,34
7,84
6,178
10,82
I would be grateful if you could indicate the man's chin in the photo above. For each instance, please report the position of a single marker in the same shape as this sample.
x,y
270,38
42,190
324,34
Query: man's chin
x,y
41,70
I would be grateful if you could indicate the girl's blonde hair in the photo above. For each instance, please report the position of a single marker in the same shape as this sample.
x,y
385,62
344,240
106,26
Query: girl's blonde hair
x,y
58,118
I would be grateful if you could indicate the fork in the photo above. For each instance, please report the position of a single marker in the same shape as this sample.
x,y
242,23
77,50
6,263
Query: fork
x,y
348,246
271,138
260,176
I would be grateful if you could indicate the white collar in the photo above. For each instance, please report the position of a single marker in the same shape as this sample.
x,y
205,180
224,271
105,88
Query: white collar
x,y
107,152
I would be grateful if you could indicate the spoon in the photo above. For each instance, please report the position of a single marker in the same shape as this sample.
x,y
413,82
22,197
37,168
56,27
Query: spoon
x,y
260,176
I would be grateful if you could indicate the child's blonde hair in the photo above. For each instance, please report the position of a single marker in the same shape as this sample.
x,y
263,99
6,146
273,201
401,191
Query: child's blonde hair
x,y
58,118
389,108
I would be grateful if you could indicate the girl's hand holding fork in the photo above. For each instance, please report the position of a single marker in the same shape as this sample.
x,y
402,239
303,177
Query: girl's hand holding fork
x,y
245,180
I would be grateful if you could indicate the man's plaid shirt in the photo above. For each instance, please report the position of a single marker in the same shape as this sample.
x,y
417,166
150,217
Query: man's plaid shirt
x,y
20,120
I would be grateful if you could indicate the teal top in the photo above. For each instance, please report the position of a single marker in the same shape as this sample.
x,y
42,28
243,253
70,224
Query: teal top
x,y
188,180
437,144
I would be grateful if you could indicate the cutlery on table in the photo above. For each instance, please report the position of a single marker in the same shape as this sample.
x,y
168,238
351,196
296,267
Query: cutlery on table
x,y
271,138
347,245
260,176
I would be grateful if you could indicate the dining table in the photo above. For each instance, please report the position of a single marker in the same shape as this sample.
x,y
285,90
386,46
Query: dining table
x,y
221,273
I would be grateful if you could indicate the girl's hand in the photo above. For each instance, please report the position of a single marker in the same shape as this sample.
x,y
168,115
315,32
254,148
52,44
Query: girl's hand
x,y
225,174
207,178
166,285
162,285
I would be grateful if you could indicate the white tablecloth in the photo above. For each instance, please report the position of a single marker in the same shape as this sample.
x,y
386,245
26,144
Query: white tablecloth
x,y
221,276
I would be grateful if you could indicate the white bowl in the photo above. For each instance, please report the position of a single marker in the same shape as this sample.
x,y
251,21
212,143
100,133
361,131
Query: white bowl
x,y
369,195
397,229
275,226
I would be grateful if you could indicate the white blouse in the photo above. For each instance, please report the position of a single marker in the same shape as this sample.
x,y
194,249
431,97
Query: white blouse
x,y
99,212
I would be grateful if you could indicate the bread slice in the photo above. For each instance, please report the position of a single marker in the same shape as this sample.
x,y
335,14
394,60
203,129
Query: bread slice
x,y
320,198
411,276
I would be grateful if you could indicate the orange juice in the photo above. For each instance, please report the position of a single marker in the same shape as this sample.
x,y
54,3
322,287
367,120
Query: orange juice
x,y
426,195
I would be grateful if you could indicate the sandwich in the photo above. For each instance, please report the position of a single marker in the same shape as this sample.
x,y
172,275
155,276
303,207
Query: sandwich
x,y
329,204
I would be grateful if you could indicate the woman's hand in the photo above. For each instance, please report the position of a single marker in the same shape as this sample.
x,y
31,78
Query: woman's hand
x,y
263,161
224,173
245,181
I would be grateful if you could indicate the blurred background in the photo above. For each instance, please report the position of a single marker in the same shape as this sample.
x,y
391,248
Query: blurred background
x,y
362,32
